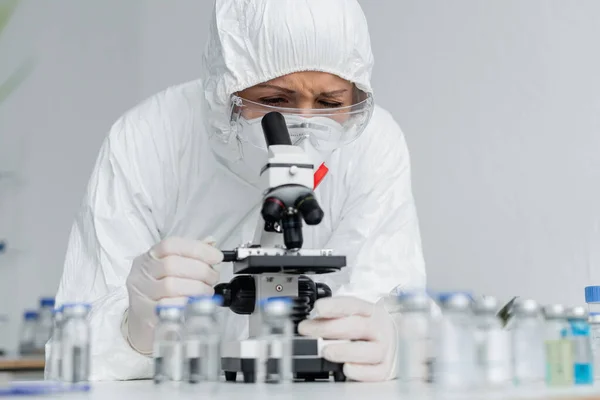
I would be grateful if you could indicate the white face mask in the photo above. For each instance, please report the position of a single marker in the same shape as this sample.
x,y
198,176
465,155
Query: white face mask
x,y
247,153
307,133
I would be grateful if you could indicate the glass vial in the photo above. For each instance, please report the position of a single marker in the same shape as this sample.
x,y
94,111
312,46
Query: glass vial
x,y
559,349
414,341
44,324
274,361
579,333
529,362
493,346
28,328
75,344
594,321
455,355
54,348
168,357
202,339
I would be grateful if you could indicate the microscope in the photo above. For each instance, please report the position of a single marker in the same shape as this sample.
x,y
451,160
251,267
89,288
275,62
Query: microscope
x,y
263,272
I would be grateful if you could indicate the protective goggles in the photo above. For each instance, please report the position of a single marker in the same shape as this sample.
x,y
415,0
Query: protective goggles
x,y
325,128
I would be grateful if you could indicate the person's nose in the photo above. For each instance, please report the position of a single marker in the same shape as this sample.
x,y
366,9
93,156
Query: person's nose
x,y
305,107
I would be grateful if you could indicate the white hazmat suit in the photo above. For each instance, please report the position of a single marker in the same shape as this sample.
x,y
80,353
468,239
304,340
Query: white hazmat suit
x,y
164,171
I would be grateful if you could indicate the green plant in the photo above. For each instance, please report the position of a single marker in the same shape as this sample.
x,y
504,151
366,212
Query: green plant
x,y
7,8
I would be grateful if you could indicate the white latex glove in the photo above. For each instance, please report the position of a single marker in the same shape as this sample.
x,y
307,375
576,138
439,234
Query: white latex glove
x,y
371,354
169,272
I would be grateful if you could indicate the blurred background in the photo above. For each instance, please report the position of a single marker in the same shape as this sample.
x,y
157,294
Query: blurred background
x,y
499,101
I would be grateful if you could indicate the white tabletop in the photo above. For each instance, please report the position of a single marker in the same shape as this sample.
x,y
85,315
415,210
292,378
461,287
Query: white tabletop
x,y
147,390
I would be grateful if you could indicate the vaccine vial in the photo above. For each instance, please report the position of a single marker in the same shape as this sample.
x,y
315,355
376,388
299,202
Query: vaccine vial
x,y
168,357
592,298
414,340
529,363
75,345
28,328
594,321
493,346
54,348
455,355
579,333
44,324
274,361
202,339
559,348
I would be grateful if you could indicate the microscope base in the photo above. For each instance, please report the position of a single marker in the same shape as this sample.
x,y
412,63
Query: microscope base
x,y
308,365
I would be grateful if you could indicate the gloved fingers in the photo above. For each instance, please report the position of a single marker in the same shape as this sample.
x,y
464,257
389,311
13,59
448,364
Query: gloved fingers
x,y
354,327
356,352
172,287
181,267
366,373
335,307
189,248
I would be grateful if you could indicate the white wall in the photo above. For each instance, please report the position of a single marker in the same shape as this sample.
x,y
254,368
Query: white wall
x,y
499,101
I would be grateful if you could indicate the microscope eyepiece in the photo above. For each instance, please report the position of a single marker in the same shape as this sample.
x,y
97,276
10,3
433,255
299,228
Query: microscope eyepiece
x,y
275,129
308,206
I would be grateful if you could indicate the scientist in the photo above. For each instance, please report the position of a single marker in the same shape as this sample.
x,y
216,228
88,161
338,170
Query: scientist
x,y
177,179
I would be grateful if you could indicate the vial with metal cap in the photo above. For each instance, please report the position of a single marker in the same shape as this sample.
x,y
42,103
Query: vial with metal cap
x,y
455,355
75,343
559,348
529,362
579,333
493,345
54,357
274,359
594,321
202,339
414,339
168,343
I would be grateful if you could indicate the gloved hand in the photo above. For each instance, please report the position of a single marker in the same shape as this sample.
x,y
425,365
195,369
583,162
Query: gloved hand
x,y
371,354
171,271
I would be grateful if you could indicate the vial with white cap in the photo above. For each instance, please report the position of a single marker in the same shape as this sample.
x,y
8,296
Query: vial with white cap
x,y
454,367
202,339
414,340
528,343
75,343
274,361
168,360
493,345
559,348
579,333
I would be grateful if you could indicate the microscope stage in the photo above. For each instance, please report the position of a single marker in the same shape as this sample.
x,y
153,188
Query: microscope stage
x,y
289,264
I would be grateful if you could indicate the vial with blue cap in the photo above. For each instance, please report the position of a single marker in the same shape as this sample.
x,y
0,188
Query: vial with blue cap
x,y
202,339
168,344
44,324
454,367
274,361
54,357
75,343
28,328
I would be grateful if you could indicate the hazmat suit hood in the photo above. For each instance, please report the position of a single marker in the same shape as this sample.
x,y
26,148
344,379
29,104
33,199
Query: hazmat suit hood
x,y
254,41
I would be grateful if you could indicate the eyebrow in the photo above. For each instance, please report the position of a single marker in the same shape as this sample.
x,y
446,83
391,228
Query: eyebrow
x,y
333,93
